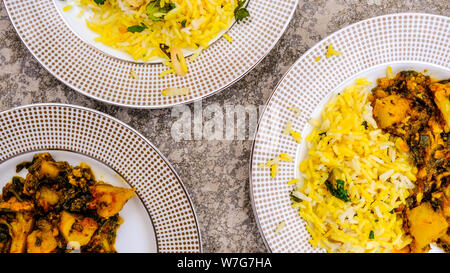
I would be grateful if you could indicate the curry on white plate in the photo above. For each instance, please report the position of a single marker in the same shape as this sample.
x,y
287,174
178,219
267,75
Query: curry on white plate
x,y
69,183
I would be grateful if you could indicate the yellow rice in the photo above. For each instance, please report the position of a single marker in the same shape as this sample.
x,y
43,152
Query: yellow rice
x,y
203,21
378,179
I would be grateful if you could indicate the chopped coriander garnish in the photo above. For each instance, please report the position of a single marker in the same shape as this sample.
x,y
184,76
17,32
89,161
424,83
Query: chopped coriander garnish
x,y
371,235
336,185
338,192
100,2
364,123
241,12
183,23
157,13
137,28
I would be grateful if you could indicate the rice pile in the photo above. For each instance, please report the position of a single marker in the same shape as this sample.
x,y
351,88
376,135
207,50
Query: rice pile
x,y
378,178
192,24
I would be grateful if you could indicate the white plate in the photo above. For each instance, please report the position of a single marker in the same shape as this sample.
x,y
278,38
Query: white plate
x,y
93,73
403,41
136,234
160,219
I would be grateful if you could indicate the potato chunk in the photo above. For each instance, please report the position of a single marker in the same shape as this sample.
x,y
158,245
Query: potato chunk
x,y
109,200
442,98
47,197
41,242
49,169
390,110
12,205
426,226
103,241
44,238
75,228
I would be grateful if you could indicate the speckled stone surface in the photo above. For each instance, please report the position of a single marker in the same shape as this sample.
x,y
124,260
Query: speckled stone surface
x,y
215,173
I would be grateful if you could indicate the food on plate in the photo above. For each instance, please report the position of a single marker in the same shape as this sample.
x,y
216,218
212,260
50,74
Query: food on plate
x,y
57,207
426,225
416,109
376,174
151,29
353,179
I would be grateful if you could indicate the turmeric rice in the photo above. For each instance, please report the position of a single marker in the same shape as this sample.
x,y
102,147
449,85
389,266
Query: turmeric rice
x,y
148,29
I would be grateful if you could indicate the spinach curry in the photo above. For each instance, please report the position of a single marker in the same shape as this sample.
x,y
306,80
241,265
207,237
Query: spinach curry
x,y
416,110
58,207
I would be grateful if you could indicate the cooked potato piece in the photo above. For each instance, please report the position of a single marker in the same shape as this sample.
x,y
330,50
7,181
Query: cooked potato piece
x,y
75,228
47,197
390,110
406,249
426,226
102,241
65,224
13,205
442,98
44,238
401,145
41,242
20,228
109,200
49,169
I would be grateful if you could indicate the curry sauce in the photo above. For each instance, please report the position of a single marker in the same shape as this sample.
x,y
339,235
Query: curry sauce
x,y
416,111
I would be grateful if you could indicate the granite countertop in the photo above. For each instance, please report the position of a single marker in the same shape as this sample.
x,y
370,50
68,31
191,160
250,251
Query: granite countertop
x,y
215,173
